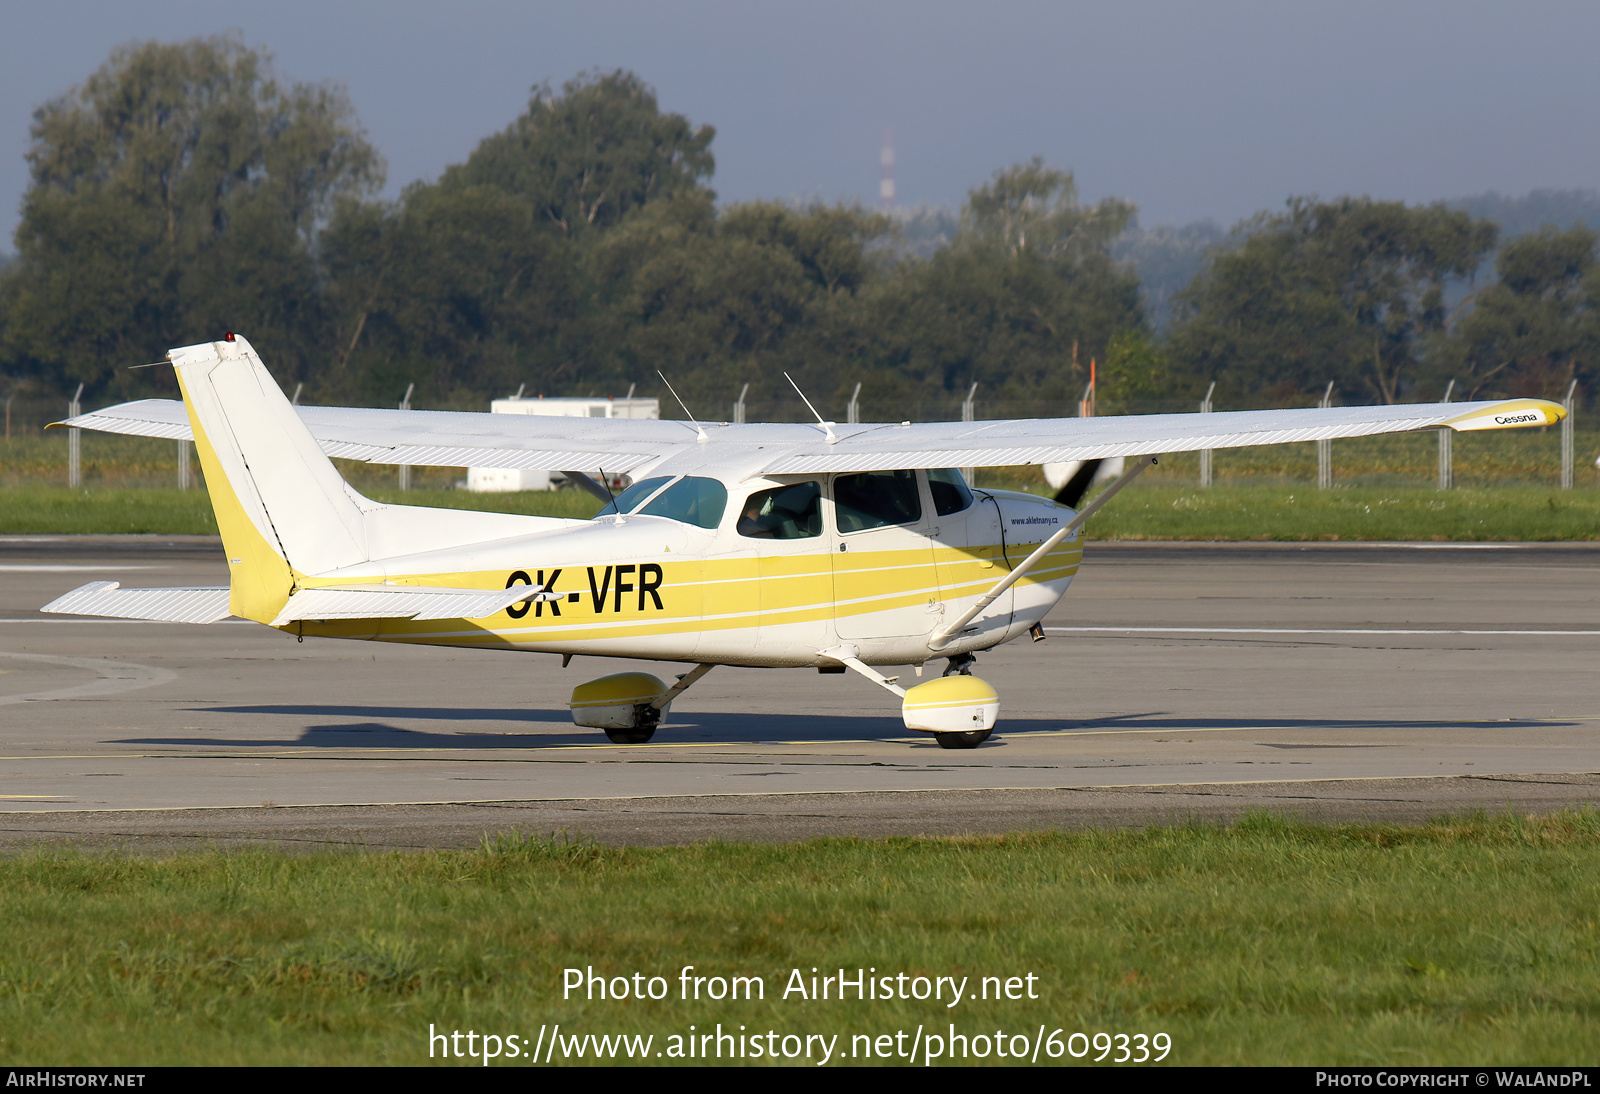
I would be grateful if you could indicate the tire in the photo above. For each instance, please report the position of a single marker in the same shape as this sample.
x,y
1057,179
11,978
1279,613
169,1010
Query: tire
x,y
970,739
646,718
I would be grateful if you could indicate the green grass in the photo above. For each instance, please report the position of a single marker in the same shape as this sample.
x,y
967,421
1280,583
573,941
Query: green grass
x,y
1492,458
1142,512
1358,513
1471,941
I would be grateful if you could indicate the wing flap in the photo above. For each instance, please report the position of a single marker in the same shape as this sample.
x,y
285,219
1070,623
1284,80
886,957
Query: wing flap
x,y
108,598
401,602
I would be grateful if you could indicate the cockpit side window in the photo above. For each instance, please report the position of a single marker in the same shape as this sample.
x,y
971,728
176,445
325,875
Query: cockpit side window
x,y
785,512
949,489
633,495
876,499
692,500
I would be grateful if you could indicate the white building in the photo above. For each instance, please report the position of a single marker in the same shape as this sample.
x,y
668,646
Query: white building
x,y
500,480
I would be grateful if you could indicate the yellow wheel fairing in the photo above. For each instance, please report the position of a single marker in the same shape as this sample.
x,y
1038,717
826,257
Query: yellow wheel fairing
x,y
623,687
611,701
951,704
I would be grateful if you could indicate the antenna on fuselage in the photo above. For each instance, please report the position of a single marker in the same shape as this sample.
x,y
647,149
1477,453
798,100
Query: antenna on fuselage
x,y
698,428
606,482
827,427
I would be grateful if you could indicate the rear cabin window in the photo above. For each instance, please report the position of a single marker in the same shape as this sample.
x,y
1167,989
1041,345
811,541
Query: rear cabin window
x,y
876,499
787,512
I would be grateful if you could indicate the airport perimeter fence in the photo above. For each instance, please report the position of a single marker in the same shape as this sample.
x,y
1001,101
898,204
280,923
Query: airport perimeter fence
x,y
32,455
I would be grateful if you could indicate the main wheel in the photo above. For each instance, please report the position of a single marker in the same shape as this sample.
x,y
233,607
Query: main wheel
x,y
971,738
646,718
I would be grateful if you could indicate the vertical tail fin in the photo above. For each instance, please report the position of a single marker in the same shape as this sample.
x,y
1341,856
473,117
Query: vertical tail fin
x,y
281,506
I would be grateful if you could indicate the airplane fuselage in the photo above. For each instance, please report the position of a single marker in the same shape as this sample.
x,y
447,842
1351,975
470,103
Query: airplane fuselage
x,y
657,588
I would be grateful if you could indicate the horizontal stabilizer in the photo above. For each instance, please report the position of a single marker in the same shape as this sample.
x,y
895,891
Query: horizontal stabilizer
x,y
108,598
402,602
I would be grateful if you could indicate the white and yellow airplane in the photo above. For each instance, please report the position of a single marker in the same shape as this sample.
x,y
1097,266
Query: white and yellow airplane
x,y
805,546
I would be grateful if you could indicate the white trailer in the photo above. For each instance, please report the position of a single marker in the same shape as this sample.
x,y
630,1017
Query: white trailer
x,y
493,480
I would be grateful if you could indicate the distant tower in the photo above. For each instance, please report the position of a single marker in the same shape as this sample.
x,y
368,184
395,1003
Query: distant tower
x,y
886,183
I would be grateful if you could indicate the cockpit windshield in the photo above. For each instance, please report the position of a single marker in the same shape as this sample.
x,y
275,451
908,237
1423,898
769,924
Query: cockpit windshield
x,y
692,500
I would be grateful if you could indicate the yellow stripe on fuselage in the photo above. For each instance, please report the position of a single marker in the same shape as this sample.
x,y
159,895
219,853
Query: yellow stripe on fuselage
x,y
742,592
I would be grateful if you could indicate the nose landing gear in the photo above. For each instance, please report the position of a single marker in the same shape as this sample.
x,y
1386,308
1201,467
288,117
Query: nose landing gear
x,y
959,709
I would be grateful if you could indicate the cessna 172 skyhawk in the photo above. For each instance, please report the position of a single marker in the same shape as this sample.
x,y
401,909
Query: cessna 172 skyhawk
x,y
818,546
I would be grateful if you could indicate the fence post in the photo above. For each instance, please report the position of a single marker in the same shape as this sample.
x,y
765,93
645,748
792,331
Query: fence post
x,y
1567,438
183,465
969,414
1205,453
405,468
75,442
738,406
1446,457
1325,447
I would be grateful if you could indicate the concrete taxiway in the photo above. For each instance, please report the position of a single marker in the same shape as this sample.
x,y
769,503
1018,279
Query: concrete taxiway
x,y
1179,680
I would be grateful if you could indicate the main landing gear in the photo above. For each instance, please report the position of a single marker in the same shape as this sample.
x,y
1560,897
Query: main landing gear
x,y
629,705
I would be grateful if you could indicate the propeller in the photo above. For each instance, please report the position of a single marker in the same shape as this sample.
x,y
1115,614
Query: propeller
x,y
1077,486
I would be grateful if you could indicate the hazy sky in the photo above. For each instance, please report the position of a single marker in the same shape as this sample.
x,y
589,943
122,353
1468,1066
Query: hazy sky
x,y
1190,110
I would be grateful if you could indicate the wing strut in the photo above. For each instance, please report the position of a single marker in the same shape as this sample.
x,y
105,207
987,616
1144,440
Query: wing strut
x,y
943,637
684,683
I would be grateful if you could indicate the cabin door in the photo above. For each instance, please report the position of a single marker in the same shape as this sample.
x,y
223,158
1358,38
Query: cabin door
x,y
885,581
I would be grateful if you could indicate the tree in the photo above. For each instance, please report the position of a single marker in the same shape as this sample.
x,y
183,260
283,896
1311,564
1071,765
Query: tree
x,y
1534,330
1344,290
457,290
1138,378
741,297
176,193
1020,302
501,273
1033,209
588,156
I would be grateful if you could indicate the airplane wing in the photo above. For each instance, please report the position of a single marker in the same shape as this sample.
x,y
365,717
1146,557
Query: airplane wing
x,y
425,438
435,438
1012,442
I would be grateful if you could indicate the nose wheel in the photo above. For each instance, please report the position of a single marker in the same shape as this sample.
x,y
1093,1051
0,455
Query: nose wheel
x,y
970,739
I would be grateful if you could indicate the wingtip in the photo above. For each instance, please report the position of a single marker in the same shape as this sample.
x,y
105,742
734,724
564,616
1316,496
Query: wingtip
x,y
1510,414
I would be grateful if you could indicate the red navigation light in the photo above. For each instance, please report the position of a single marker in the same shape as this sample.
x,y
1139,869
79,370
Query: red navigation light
x,y
228,337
